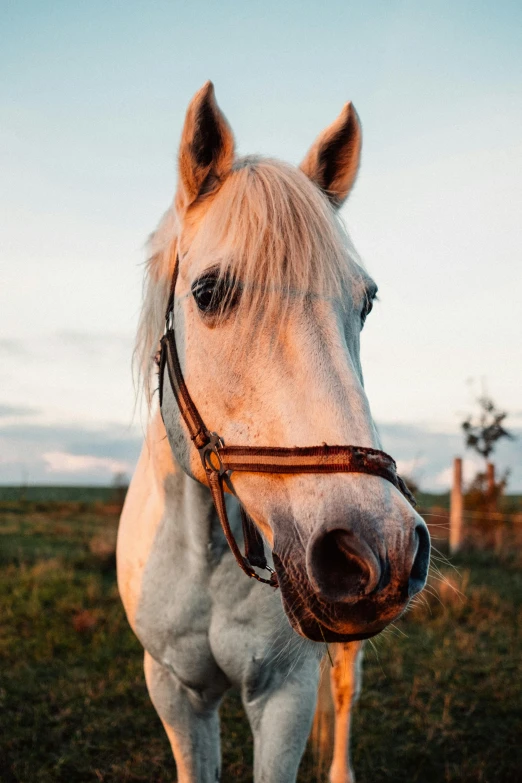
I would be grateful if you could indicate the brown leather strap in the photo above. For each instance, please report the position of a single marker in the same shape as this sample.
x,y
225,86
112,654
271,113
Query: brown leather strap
x,y
207,444
219,461
190,413
313,459
215,482
254,547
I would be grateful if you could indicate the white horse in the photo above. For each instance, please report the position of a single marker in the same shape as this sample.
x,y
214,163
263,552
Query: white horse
x,y
268,310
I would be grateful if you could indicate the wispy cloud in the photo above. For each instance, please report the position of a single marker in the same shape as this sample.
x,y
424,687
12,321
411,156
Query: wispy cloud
x,y
428,455
62,462
14,411
411,467
57,453
75,375
12,347
470,467
40,454
93,343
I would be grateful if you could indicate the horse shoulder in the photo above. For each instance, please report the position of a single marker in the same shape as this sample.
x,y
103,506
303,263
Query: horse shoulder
x,y
141,516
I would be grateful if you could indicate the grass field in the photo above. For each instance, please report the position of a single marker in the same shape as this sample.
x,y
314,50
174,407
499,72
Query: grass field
x,y
441,698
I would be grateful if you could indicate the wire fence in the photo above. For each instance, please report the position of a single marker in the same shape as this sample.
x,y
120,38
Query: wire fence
x,y
480,529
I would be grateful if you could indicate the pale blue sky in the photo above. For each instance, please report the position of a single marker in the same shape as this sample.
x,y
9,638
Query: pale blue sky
x,y
92,100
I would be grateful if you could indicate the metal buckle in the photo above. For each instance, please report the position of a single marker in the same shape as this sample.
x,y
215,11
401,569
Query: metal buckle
x,y
209,453
273,581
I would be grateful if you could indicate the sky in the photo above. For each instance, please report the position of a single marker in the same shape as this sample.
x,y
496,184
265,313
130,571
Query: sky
x,y
92,102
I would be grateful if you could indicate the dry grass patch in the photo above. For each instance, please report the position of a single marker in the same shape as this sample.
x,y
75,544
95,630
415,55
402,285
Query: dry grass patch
x,y
441,699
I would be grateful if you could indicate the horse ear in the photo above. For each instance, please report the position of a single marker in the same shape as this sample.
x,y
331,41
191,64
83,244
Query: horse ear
x,y
206,150
333,161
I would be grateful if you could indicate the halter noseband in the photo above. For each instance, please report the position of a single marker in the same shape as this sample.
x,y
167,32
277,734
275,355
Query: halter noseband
x,y
220,461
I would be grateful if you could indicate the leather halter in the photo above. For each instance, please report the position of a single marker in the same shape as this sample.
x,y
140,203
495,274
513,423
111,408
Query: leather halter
x,y
220,461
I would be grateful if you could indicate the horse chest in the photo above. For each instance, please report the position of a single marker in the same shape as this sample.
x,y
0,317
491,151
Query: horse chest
x,y
202,618
211,627
172,623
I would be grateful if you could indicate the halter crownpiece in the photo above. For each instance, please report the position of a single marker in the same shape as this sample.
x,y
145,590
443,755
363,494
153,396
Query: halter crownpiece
x,y
220,461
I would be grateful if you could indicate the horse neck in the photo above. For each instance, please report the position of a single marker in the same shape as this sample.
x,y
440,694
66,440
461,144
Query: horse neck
x,y
188,505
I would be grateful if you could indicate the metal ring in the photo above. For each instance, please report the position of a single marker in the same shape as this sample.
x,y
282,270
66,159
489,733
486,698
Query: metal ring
x,y
210,449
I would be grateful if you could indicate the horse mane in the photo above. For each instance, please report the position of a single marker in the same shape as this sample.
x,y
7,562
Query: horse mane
x,y
267,227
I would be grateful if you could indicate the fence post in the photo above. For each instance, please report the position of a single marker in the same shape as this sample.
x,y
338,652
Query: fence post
x,y
456,507
490,470
491,486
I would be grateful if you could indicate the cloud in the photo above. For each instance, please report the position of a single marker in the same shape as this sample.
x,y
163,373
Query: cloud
x,y
94,343
13,411
470,468
62,462
410,467
60,454
111,440
10,347
428,455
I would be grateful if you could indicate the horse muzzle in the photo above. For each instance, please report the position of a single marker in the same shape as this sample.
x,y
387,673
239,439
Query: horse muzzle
x,y
346,587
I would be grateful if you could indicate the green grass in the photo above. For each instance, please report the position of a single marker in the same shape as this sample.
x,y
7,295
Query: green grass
x,y
441,698
45,493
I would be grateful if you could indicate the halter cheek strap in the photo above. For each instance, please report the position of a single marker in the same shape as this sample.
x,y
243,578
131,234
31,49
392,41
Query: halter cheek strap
x,y
220,461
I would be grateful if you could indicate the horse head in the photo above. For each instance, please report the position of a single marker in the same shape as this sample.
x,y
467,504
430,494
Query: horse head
x,y
268,310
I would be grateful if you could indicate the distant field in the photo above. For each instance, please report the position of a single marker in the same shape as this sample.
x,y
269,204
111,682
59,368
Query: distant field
x,y
441,699
48,494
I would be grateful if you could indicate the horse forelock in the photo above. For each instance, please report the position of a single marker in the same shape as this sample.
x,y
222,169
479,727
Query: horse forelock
x,y
268,228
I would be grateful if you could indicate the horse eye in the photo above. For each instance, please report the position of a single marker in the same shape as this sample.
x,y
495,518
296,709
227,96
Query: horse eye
x,y
214,293
203,293
368,305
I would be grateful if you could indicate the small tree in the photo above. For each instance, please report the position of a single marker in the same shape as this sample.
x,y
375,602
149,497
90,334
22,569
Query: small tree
x,y
482,433
485,492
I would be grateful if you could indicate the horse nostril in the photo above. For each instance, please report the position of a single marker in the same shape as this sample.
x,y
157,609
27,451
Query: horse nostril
x,y
419,569
341,567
